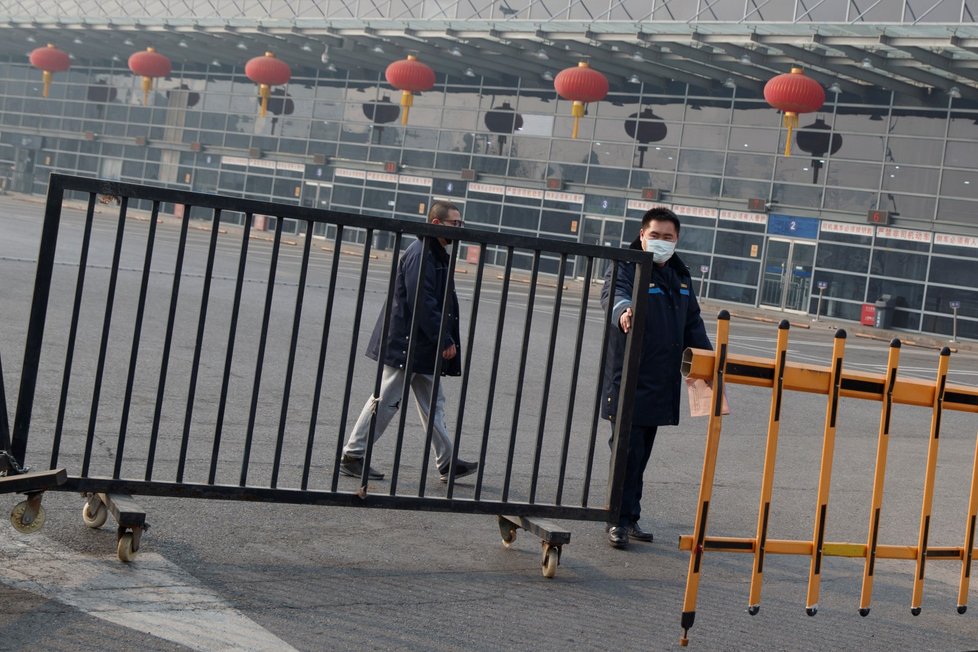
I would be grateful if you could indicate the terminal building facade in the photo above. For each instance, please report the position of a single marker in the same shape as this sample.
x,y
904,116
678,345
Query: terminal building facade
x,y
879,196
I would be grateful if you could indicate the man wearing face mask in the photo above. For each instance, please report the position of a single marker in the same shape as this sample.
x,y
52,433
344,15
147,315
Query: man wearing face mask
x,y
673,323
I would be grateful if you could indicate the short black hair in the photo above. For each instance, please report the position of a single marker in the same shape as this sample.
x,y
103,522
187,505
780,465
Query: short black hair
x,y
661,215
441,209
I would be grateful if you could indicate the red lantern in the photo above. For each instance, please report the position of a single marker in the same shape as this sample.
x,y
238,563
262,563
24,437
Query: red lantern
x,y
149,64
49,59
794,93
582,85
267,71
409,76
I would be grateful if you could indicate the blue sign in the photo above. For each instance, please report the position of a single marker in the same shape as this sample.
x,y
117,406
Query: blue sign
x,y
792,226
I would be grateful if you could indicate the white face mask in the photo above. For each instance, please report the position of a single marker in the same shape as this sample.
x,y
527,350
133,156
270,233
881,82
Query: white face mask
x,y
661,249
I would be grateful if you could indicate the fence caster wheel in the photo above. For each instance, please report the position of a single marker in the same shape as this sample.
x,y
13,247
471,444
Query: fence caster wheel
x,y
507,531
27,521
97,519
551,558
125,548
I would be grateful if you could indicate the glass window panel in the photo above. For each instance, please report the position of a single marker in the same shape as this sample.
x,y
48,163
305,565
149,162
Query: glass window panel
x,y
899,264
954,271
567,172
748,166
963,125
960,183
852,175
842,258
536,170
738,244
661,180
521,217
735,293
915,207
670,109
740,189
705,136
907,295
794,195
347,195
709,111
910,179
700,161
861,148
961,154
917,122
557,222
957,211
850,287
798,169
610,177
855,201
480,212
692,238
861,120
416,158
921,151
697,186
572,151
758,114
745,139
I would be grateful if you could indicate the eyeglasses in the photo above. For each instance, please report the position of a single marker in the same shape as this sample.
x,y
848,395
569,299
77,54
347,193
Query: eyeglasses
x,y
453,222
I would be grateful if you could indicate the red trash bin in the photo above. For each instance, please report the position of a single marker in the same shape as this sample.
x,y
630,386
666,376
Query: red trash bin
x,y
868,315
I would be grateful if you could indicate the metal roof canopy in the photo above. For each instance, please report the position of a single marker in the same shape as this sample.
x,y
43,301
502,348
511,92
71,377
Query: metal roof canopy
x,y
921,63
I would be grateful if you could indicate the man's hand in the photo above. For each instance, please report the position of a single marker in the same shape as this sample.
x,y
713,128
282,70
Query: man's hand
x,y
449,352
625,321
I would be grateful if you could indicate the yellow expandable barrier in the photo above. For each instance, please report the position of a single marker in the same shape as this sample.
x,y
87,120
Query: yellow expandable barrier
x,y
835,382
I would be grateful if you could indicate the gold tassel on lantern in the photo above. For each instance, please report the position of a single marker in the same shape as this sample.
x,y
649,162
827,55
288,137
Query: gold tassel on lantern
x,y
577,110
407,101
147,85
47,81
264,90
790,123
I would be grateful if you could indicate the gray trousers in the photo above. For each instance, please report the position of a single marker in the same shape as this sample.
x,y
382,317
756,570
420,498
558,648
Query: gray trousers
x,y
386,405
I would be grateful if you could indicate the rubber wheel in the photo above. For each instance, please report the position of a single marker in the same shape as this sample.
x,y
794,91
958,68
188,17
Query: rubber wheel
x,y
17,516
125,551
507,531
97,519
550,562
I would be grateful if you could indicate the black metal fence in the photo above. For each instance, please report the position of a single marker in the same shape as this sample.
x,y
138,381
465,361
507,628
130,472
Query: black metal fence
x,y
171,353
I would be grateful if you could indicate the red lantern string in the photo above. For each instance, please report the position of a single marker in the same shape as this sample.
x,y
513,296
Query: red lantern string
x,y
794,93
51,60
409,76
149,64
581,85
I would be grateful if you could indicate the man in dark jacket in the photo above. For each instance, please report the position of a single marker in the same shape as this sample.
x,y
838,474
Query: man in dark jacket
x,y
427,347
673,323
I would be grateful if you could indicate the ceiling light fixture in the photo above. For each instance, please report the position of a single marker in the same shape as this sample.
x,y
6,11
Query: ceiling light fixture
x,y
306,47
455,52
325,55
634,80
331,67
637,56
128,42
954,93
835,88
867,63
182,44
745,59
31,39
469,72
242,45
77,41
377,49
216,63
549,76
542,54
729,82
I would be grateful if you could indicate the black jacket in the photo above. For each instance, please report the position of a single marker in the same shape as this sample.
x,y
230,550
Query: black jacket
x,y
673,323
427,348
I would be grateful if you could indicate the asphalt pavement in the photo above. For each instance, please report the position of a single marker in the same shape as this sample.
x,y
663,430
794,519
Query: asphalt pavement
x,y
224,575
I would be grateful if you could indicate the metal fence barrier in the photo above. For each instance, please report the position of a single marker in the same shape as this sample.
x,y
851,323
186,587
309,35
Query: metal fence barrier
x,y
836,383
177,349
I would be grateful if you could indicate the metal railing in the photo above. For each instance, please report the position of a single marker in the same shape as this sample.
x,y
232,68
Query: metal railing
x,y
177,355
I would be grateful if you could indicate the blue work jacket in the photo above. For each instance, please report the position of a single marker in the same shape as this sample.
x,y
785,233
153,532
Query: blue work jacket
x,y
427,348
672,324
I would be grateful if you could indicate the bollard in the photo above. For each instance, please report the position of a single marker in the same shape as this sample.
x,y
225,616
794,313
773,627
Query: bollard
x,y
821,291
954,320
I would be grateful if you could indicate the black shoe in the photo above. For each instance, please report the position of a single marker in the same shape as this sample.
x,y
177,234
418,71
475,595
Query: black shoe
x,y
637,533
353,467
462,469
618,537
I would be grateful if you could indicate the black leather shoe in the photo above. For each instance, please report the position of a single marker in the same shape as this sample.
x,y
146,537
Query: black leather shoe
x,y
618,537
637,533
462,469
353,467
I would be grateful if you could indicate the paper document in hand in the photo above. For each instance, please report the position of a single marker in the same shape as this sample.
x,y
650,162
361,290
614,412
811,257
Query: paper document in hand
x,y
701,399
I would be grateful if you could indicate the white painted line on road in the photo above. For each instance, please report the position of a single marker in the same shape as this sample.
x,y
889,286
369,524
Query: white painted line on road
x,y
150,595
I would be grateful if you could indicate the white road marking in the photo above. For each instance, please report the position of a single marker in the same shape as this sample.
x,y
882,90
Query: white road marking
x,y
150,595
